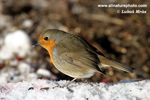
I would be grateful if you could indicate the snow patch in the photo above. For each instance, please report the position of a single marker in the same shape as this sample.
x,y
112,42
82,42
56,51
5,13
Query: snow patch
x,y
52,90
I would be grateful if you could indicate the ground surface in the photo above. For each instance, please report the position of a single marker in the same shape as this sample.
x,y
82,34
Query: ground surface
x,y
48,90
121,37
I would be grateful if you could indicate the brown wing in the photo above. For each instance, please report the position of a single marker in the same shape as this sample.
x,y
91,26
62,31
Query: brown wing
x,y
80,57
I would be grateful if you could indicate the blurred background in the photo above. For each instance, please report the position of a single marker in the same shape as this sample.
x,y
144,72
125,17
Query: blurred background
x,y
121,37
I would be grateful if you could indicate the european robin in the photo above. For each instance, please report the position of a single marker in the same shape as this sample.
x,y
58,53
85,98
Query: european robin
x,y
74,56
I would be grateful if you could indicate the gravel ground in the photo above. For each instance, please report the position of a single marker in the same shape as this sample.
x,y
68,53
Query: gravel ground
x,y
121,37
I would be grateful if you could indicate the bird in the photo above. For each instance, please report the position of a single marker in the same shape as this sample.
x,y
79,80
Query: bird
x,y
74,56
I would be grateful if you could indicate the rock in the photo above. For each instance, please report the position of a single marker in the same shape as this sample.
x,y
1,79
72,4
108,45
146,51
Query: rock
x,y
43,72
17,42
24,68
27,23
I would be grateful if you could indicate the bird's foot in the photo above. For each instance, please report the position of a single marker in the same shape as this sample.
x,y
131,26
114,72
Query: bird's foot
x,y
63,87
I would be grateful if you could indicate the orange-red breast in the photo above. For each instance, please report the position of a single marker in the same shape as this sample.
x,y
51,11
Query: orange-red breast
x,y
75,57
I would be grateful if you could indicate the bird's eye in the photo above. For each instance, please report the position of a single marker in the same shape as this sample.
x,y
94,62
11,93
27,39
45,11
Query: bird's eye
x,y
46,38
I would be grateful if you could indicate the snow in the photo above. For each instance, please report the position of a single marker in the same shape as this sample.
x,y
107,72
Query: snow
x,y
54,90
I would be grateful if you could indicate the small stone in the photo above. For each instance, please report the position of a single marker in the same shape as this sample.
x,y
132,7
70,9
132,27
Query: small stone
x,y
27,23
43,72
145,68
24,68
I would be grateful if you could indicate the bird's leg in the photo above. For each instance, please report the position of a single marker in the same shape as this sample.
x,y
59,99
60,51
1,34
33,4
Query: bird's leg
x,y
66,85
71,82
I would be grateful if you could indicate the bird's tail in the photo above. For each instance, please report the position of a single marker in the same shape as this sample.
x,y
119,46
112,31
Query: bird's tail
x,y
106,62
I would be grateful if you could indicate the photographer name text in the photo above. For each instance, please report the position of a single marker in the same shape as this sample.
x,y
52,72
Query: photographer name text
x,y
131,11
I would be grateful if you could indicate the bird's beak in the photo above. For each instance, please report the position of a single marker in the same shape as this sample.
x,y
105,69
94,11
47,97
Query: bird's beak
x,y
36,44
